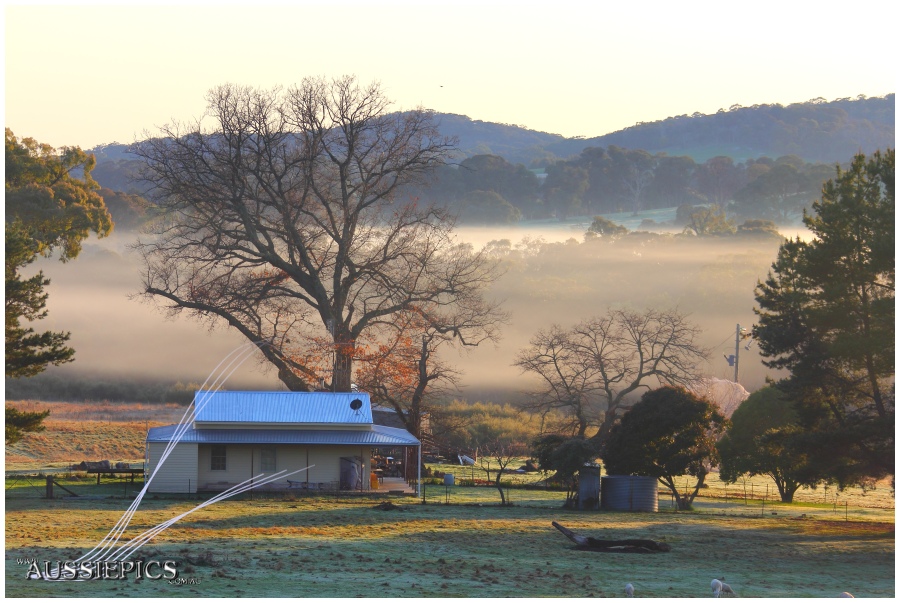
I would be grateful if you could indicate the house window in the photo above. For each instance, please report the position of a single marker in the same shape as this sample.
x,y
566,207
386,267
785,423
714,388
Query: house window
x,y
217,458
267,459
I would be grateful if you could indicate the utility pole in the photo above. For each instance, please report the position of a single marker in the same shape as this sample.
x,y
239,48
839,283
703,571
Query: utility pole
x,y
735,360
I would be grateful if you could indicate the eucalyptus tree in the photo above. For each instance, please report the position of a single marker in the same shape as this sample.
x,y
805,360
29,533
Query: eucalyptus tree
x,y
282,219
49,210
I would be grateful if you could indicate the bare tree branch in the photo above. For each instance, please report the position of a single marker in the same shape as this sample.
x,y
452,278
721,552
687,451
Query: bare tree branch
x,y
281,220
590,370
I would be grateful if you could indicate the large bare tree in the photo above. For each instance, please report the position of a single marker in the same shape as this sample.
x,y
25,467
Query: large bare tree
x,y
590,371
282,220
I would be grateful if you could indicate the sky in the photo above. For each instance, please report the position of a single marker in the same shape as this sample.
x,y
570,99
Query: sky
x,y
87,75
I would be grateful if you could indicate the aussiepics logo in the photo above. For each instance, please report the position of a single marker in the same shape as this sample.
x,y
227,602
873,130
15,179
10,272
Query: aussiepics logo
x,y
100,570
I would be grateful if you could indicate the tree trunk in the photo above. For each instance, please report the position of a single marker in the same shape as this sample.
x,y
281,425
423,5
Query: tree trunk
x,y
786,490
700,480
343,366
498,484
682,502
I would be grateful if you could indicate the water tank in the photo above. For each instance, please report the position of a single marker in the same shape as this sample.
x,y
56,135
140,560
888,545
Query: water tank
x,y
629,493
589,489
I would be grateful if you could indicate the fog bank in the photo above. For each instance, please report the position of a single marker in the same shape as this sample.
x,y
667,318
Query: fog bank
x,y
561,281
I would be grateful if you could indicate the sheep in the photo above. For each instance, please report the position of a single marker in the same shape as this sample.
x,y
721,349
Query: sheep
x,y
719,587
845,595
629,590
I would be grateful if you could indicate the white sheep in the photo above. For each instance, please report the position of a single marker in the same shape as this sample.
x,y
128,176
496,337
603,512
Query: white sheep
x,y
629,590
845,595
719,587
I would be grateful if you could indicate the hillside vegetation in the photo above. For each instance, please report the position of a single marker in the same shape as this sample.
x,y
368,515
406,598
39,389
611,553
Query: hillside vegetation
x,y
816,131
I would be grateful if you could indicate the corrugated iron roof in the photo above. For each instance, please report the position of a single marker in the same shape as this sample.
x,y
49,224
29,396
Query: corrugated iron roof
x,y
282,407
379,435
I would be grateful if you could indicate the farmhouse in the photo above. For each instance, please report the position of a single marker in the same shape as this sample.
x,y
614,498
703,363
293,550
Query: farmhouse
x,y
233,436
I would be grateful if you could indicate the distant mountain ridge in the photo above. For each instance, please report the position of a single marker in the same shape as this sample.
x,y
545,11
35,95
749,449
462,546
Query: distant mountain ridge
x,y
816,131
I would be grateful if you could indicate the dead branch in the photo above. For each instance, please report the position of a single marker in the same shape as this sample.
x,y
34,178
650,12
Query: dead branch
x,y
613,546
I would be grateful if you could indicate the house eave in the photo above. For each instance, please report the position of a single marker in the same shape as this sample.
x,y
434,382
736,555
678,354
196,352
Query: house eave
x,y
281,425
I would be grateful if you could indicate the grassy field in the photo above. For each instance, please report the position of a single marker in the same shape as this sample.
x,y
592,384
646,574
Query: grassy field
x,y
345,547
92,431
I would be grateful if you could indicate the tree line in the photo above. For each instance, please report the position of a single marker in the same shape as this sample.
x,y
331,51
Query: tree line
x,y
487,189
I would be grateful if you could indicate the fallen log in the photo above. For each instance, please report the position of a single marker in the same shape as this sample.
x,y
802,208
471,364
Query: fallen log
x,y
613,546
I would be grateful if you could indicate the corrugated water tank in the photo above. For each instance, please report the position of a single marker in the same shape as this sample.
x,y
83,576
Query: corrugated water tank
x,y
629,493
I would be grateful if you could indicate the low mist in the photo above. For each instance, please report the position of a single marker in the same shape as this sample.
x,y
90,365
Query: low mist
x,y
564,282
116,336
559,280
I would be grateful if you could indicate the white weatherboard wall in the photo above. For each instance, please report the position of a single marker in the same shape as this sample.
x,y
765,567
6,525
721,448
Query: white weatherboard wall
x,y
327,461
179,471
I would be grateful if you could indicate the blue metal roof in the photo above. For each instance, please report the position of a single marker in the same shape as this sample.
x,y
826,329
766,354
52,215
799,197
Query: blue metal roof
x,y
282,407
379,435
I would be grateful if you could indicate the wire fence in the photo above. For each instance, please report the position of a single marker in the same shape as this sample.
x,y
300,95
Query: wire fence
x,y
747,497
757,497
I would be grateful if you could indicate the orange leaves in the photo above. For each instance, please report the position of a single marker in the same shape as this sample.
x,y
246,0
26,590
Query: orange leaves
x,y
389,364
268,276
320,354
393,362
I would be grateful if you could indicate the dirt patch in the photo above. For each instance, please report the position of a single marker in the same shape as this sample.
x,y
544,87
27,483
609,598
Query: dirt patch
x,y
873,529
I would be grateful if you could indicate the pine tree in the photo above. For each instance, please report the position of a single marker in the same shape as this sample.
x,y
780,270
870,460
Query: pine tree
x,y
826,314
